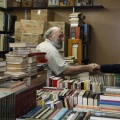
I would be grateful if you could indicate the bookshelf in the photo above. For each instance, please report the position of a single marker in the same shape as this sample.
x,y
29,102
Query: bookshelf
x,y
60,8
77,49
6,29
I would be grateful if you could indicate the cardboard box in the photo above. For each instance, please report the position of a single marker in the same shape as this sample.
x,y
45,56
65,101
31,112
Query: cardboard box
x,y
42,15
33,26
37,38
63,25
26,38
29,26
18,31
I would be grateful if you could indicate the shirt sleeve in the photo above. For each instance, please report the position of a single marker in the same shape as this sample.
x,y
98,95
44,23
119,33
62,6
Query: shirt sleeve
x,y
114,68
55,62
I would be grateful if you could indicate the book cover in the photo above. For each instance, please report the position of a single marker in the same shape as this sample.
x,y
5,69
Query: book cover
x,y
53,114
109,103
61,113
12,86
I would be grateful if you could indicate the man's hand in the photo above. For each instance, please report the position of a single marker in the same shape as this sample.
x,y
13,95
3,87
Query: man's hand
x,y
93,67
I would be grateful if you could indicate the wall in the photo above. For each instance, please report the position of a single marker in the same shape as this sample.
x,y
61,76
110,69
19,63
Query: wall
x,y
105,35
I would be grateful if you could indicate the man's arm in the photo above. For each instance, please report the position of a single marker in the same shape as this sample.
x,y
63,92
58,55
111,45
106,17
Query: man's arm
x,y
73,70
107,68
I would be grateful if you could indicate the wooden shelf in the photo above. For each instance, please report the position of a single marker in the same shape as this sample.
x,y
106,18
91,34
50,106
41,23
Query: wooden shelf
x,y
5,32
3,9
78,49
61,7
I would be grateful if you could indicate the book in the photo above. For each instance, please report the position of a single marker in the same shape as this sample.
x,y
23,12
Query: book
x,y
105,114
5,76
85,108
10,86
17,74
13,69
22,45
42,113
53,114
2,63
65,117
91,99
96,99
2,68
73,116
81,116
47,114
103,118
16,59
112,98
109,103
61,113
13,65
80,97
85,97
38,112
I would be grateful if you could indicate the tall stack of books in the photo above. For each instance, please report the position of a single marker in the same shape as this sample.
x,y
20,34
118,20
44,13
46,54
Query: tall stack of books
x,y
17,60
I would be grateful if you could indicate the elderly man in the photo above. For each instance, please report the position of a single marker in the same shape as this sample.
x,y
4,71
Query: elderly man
x,y
53,41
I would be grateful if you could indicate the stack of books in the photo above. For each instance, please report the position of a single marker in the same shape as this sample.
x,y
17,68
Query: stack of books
x,y
76,18
18,60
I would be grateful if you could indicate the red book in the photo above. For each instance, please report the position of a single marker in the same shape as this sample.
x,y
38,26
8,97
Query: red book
x,y
55,81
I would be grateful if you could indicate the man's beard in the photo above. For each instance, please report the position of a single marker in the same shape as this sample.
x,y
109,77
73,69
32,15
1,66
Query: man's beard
x,y
58,46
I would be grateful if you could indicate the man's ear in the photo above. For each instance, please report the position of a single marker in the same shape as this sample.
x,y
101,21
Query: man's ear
x,y
49,36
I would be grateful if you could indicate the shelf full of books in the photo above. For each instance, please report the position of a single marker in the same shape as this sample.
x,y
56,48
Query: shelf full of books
x,y
52,4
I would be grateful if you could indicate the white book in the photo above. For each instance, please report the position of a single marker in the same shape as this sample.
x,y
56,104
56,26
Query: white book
x,y
2,63
22,45
32,59
80,97
110,98
101,118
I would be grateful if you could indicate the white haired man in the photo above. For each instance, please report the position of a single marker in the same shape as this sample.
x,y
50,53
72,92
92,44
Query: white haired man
x,y
53,41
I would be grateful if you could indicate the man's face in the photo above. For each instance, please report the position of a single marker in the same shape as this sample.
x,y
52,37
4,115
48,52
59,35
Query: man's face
x,y
57,38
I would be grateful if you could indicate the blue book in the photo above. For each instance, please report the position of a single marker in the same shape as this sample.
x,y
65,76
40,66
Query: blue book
x,y
33,111
60,114
109,103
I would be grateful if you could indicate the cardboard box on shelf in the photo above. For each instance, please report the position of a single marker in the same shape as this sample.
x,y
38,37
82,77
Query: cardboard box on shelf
x,y
42,15
33,26
29,26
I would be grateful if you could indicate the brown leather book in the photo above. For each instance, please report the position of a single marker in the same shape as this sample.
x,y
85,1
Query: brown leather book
x,y
53,114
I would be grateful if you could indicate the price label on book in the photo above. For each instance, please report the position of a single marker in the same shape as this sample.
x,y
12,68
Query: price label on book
x,y
28,79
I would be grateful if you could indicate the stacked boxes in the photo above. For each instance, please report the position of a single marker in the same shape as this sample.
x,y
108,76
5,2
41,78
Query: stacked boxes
x,y
42,15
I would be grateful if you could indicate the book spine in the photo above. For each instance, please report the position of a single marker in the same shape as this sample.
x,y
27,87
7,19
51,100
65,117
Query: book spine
x,y
61,113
